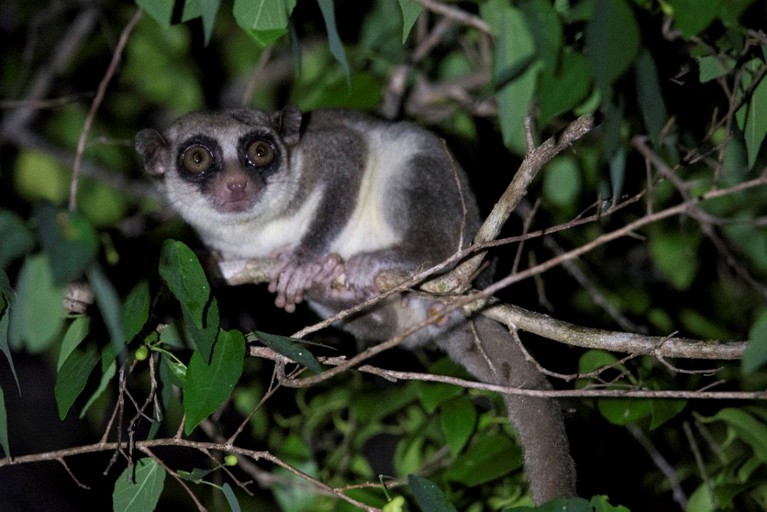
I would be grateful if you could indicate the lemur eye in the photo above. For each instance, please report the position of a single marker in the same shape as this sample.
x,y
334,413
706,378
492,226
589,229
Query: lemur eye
x,y
260,153
197,159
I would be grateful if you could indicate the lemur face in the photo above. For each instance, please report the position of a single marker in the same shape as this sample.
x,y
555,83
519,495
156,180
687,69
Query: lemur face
x,y
220,163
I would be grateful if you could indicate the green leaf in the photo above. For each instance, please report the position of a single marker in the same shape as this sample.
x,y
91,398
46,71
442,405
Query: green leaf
x,y
72,378
395,504
593,360
565,77
562,181
291,348
617,167
177,370
675,255
196,475
711,67
171,336
69,239
703,326
693,16
612,41
209,10
160,10
135,310
5,320
192,9
5,291
16,236
750,116
106,379
374,406
37,313
4,427
231,498
75,334
748,237
622,411
324,406
458,418
432,394
756,352
203,338
488,459
326,86
663,410
162,53
264,20
428,495
334,41
411,9
650,97
207,387
747,427
139,487
514,53
602,504
409,454
730,13
545,27
289,494
109,306
562,89
38,175
182,272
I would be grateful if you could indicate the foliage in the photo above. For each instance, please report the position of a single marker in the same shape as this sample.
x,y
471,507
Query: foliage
x,y
157,359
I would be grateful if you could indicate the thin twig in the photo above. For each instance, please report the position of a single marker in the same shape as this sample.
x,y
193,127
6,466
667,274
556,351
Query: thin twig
x,y
615,391
77,482
662,464
457,14
201,446
184,485
96,103
626,230
705,220
699,463
568,393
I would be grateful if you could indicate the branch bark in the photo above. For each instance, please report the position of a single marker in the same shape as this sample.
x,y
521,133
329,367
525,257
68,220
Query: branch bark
x,y
627,392
528,170
204,447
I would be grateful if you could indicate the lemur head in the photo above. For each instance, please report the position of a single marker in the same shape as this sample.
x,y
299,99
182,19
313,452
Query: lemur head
x,y
219,164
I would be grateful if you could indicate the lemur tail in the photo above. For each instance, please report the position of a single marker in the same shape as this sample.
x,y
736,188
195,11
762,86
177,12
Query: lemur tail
x,y
489,353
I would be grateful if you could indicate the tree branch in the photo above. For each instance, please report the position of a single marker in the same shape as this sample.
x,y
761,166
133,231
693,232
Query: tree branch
x,y
456,14
627,392
146,446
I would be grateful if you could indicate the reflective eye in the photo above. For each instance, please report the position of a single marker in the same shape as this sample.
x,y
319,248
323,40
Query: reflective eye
x,y
197,159
260,153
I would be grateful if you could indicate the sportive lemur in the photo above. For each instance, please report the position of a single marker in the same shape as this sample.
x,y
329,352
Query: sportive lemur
x,y
332,193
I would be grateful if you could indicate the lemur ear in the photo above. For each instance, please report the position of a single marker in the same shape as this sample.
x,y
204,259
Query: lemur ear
x,y
153,149
288,124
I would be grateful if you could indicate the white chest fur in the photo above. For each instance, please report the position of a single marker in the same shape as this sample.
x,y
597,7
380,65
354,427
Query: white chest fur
x,y
370,225
254,238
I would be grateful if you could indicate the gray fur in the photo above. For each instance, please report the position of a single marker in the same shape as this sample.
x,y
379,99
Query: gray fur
x,y
353,195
